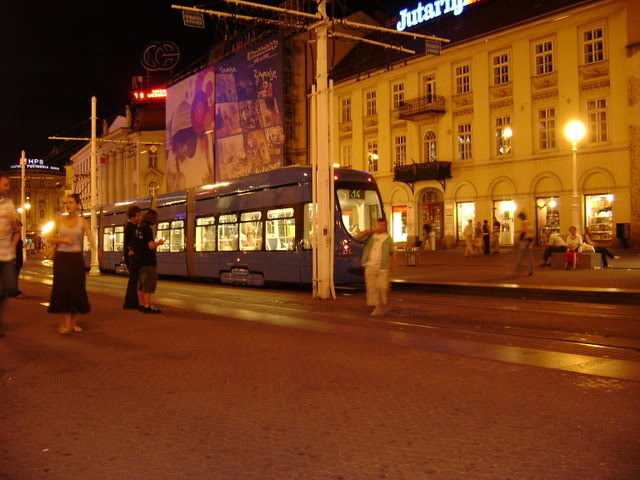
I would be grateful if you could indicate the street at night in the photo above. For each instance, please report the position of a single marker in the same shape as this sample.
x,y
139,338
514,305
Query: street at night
x,y
237,383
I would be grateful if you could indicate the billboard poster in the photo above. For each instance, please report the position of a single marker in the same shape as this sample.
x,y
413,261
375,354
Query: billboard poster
x,y
249,111
189,131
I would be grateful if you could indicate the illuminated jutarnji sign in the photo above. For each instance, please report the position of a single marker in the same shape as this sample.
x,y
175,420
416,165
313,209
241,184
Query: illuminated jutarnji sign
x,y
429,11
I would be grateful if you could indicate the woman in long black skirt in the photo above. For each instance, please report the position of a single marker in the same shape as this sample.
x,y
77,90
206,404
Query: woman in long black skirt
x,y
69,293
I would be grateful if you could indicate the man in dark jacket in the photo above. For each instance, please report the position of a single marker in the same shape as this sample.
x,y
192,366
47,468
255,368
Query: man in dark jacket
x,y
134,215
145,258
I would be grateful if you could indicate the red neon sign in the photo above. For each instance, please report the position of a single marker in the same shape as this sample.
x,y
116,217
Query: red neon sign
x,y
153,94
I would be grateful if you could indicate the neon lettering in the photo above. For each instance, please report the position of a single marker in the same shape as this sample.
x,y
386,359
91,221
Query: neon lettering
x,y
420,14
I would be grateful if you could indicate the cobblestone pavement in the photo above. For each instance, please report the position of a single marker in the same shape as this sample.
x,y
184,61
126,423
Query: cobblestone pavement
x,y
190,395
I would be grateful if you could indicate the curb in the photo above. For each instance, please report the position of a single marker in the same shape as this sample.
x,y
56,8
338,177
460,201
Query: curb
x,y
619,296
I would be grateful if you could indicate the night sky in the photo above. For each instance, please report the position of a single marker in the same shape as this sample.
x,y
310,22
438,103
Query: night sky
x,y
57,54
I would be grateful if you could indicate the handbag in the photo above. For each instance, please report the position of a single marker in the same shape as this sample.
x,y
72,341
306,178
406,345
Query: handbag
x,y
50,251
586,248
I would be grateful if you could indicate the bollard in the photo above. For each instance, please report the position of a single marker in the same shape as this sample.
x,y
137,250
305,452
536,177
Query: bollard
x,y
411,255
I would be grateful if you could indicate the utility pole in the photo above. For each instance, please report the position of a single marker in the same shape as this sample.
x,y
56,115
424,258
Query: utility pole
x,y
23,210
95,266
322,171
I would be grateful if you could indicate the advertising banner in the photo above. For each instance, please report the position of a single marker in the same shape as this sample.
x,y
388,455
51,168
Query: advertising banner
x,y
249,111
189,130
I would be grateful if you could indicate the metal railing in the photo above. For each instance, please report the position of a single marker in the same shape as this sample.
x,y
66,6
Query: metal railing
x,y
425,104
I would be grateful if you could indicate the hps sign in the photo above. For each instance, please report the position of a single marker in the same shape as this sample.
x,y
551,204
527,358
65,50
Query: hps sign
x,y
429,11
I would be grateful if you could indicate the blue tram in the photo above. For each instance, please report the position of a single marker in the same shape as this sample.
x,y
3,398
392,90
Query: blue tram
x,y
250,230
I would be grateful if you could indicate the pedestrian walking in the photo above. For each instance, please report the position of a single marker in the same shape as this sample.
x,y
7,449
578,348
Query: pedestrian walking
x,y
477,239
8,240
378,258
467,233
429,236
134,216
19,245
486,237
69,292
524,239
144,255
495,236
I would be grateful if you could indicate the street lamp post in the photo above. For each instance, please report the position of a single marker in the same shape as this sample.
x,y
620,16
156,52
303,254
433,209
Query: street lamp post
x,y
574,131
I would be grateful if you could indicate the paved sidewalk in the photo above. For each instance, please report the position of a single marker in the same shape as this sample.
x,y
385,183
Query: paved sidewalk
x,y
189,395
452,268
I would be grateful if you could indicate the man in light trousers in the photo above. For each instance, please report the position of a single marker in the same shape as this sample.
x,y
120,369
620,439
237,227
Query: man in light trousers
x,y
378,258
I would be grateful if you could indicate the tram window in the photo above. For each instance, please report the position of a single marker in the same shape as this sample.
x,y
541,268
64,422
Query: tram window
x,y
360,209
164,233
248,216
228,233
118,245
177,236
205,234
308,225
250,231
107,239
280,232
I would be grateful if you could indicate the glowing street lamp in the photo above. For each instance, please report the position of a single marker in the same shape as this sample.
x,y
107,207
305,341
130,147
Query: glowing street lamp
x,y
574,131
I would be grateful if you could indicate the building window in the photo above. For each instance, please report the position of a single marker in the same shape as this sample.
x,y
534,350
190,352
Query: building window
x,y
503,135
400,149
372,106
463,78
501,69
593,45
429,83
464,141
597,114
345,110
153,189
546,128
372,155
543,53
41,214
345,161
397,91
153,158
430,147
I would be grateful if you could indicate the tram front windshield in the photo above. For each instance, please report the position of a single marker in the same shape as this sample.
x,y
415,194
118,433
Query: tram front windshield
x,y
360,209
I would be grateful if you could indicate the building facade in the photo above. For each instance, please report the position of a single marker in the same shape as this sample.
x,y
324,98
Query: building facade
x,y
128,166
477,132
44,193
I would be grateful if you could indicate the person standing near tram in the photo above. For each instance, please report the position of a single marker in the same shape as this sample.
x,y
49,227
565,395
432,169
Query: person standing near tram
x,y
134,217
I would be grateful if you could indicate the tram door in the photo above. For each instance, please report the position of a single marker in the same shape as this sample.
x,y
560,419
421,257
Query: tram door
x,y
432,208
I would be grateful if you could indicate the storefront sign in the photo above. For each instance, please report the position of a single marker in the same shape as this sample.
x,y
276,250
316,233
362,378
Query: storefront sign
x,y
39,164
421,14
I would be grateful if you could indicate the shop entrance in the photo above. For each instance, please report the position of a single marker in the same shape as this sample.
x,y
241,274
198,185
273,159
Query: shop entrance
x,y
432,209
465,211
504,211
399,223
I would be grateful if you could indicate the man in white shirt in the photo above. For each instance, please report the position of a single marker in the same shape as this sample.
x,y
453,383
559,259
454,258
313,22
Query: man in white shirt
x,y
555,244
9,237
378,258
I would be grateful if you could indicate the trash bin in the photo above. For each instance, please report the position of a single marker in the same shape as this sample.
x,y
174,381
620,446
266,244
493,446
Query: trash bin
x,y
413,256
623,233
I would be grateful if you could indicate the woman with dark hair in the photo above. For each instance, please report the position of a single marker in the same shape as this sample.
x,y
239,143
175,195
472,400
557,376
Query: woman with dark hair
x,y
69,293
603,251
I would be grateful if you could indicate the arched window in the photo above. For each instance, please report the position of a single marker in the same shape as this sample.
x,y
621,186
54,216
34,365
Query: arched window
x,y
430,147
153,189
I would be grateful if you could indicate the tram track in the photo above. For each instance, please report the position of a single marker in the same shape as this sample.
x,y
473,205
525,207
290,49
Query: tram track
x,y
419,308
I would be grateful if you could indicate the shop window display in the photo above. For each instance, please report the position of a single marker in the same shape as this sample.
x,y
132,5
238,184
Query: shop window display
x,y
599,217
504,211
465,211
399,224
548,218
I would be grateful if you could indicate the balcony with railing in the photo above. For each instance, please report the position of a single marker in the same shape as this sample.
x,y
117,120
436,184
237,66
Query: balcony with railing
x,y
417,172
414,108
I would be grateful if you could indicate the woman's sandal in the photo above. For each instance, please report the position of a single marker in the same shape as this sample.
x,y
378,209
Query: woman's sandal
x,y
62,330
77,329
